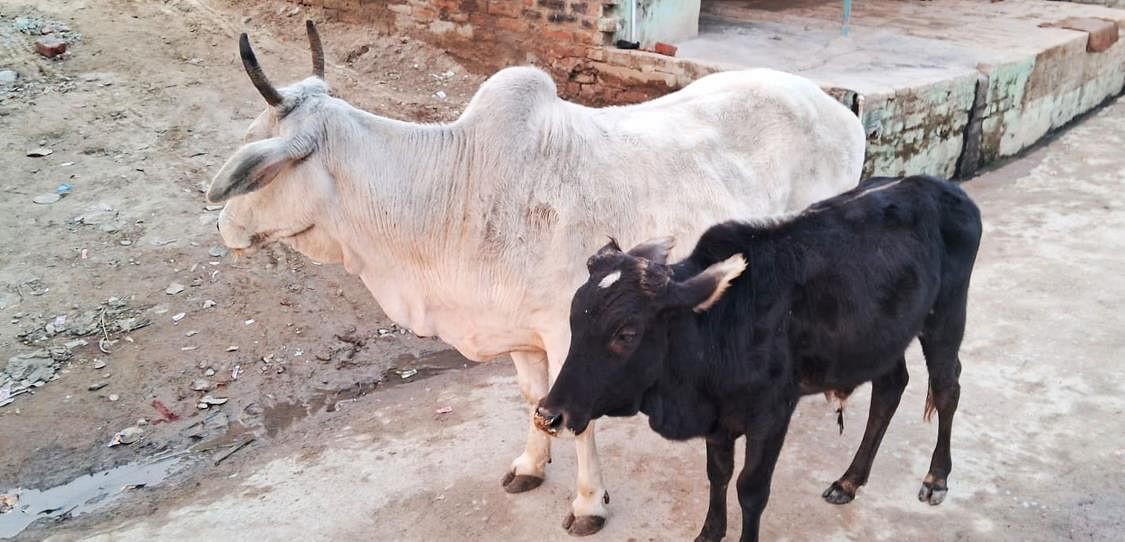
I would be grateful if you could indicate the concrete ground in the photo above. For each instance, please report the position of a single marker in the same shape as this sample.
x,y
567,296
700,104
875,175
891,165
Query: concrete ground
x,y
1039,451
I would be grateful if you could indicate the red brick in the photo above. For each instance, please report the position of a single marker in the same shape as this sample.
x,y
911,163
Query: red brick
x,y
511,25
558,36
505,8
50,47
1101,33
666,49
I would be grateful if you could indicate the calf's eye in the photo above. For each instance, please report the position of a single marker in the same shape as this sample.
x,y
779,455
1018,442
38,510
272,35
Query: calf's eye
x,y
622,340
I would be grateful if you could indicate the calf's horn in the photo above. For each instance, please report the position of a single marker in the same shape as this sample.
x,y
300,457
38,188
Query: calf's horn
x,y
250,62
317,49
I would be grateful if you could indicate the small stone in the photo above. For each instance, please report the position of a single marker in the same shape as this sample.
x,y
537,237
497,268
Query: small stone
x,y
212,401
50,47
192,333
39,152
114,397
46,199
174,288
200,384
202,406
179,316
208,304
99,364
217,251
97,386
125,242
209,372
142,422
128,435
232,348
212,207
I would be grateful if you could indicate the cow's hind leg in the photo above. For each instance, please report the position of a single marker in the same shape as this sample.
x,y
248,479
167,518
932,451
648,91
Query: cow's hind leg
x,y
886,391
528,470
941,341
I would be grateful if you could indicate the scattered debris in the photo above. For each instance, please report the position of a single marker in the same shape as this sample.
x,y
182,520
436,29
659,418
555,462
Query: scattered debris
x,y
200,384
174,288
406,374
212,401
8,503
248,322
128,435
217,251
191,333
99,364
113,397
209,372
63,189
39,152
208,304
224,455
232,348
8,77
444,410
237,370
97,385
46,199
178,316
440,95
165,413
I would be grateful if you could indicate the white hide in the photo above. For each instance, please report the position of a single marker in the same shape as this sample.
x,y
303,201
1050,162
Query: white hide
x,y
478,231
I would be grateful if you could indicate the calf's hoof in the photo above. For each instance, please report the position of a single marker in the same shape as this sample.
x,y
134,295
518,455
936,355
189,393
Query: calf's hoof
x,y
839,493
933,492
583,525
519,483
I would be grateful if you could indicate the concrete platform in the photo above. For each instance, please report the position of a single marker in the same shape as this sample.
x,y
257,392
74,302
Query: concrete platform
x,y
942,87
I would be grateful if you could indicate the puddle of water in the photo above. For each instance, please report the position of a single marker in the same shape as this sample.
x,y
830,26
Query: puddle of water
x,y
82,495
279,416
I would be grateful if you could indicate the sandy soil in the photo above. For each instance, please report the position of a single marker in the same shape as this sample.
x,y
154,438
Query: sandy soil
x,y
138,115
152,99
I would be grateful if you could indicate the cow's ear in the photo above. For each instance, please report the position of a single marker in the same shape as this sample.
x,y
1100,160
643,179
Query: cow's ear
x,y
703,290
252,167
654,250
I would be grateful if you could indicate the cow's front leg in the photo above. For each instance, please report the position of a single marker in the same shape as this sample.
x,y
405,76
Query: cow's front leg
x,y
588,510
529,469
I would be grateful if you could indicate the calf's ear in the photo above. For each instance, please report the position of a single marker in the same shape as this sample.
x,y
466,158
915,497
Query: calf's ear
x,y
654,250
703,290
252,167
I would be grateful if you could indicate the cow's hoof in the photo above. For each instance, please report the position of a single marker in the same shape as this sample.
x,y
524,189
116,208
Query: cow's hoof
x,y
838,494
708,538
583,525
933,492
519,483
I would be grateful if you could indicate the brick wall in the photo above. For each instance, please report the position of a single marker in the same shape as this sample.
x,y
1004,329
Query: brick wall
x,y
566,37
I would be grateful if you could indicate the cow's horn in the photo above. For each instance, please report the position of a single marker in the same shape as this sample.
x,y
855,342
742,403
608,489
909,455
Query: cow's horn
x,y
250,62
317,49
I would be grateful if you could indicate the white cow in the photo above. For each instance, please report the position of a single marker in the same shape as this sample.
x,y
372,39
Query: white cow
x,y
477,231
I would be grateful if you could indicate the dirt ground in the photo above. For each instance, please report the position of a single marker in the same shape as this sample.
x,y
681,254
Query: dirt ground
x,y
345,442
145,107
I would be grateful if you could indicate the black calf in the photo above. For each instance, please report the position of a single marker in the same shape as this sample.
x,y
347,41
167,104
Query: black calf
x,y
830,299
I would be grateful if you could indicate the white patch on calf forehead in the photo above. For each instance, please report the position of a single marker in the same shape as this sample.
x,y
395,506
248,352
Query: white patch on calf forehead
x,y
609,279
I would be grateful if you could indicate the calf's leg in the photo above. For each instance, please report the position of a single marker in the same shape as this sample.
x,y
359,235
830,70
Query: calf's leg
x,y
886,392
763,446
941,342
945,391
720,467
528,470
